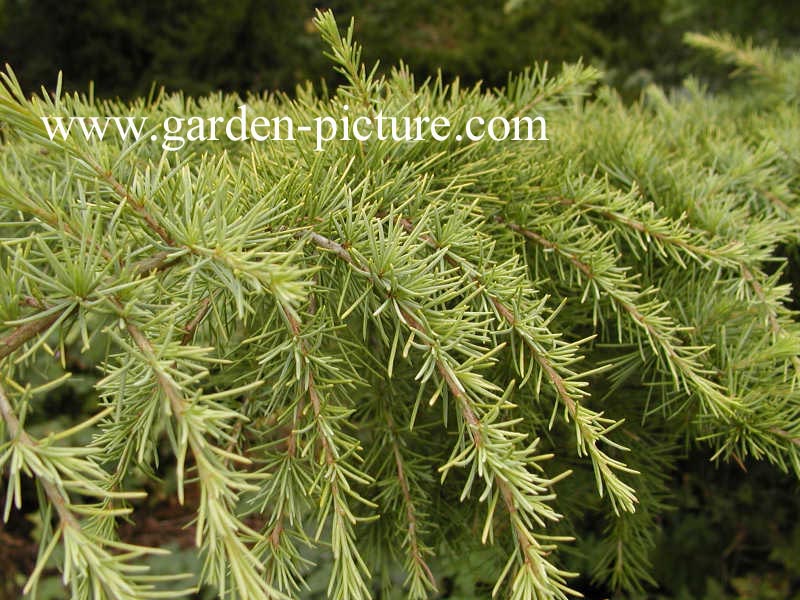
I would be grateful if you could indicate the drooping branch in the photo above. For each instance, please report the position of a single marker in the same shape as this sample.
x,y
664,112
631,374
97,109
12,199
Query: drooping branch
x,y
534,556
590,425
728,255
659,334
56,497
410,510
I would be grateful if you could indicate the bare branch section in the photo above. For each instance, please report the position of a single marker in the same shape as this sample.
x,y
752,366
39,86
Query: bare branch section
x,y
26,332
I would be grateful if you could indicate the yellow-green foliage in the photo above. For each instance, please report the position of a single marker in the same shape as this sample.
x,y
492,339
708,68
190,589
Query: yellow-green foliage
x,y
396,352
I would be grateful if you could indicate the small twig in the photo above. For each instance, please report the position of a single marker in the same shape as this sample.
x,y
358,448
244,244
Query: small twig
x,y
134,203
665,341
411,515
192,325
508,315
170,389
545,243
786,435
772,317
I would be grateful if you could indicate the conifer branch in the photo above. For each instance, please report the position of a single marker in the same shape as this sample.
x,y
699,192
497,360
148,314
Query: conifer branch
x,y
414,545
349,568
662,231
681,361
216,521
772,317
126,197
16,433
309,283
536,568
591,426
87,563
670,233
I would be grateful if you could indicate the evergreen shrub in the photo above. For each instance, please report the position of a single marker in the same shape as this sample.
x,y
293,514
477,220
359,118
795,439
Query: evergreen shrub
x,y
397,359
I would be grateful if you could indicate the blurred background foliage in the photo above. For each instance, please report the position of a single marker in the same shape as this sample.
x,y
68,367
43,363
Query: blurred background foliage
x,y
204,45
729,535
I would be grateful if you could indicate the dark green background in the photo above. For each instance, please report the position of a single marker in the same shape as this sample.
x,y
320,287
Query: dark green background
x,y
271,44
731,535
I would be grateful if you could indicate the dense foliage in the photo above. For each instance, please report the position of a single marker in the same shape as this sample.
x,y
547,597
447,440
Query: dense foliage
x,y
198,47
407,369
